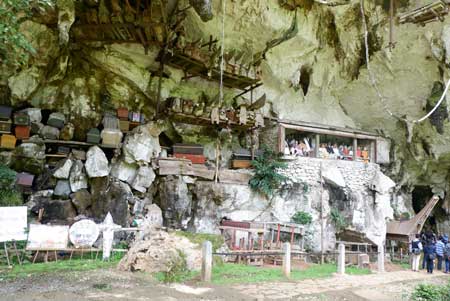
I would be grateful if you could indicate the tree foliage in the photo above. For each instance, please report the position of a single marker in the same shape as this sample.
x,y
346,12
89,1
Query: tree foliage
x,y
302,218
7,177
338,220
267,178
14,47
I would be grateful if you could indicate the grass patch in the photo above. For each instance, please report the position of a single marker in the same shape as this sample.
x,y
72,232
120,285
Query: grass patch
x,y
216,240
28,269
229,273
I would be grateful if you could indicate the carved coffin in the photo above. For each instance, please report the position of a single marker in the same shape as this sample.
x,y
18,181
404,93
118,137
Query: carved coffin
x,y
56,120
195,159
21,118
122,113
93,136
5,125
111,137
5,112
8,141
193,149
22,131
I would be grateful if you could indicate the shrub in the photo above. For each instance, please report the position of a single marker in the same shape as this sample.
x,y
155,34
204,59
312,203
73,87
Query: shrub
x,y
302,218
430,292
7,177
267,179
338,220
10,198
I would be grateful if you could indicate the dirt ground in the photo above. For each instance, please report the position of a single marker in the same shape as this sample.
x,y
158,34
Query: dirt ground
x,y
115,285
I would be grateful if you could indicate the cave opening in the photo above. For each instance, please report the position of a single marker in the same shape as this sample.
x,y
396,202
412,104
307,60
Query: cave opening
x,y
420,197
305,78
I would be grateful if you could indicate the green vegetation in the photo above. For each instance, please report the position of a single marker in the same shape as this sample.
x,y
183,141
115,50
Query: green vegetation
x,y
28,269
216,240
14,47
266,178
302,218
8,196
431,292
338,220
229,273
178,272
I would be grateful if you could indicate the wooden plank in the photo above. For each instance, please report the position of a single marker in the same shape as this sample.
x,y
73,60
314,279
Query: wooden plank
x,y
184,167
234,177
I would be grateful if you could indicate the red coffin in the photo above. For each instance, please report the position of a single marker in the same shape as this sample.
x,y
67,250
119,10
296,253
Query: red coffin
x,y
22,131
195,159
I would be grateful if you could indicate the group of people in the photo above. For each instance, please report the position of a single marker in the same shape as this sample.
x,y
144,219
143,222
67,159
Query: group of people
x,y
433,249
303,148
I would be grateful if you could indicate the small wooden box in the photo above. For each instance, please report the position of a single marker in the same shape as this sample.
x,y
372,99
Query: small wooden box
x,y
56,120
5,112
63,150
238,164
21,118
24,180
195,159
192,149
124,126
122,113
22,131
93,136
8,141
5,126
135,117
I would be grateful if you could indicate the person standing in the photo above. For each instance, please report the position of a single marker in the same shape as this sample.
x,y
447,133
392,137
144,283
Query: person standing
x,y
440,245
447,254
430,255
415,248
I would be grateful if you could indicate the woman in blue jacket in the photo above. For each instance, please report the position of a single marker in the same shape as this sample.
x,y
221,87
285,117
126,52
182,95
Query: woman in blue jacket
x,y
430,254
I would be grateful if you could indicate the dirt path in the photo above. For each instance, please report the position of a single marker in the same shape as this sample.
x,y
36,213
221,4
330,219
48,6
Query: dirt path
x,y
112,285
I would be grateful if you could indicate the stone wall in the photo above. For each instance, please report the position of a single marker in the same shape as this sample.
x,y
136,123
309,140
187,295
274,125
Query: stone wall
x,y
359,191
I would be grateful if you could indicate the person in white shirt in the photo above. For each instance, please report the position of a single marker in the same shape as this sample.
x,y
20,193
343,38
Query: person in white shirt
x,y
415,249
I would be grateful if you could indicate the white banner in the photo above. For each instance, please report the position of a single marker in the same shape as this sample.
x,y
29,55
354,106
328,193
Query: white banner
x,y
43,237
13,223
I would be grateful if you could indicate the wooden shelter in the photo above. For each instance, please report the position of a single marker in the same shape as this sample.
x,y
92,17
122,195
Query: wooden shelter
x,y
405,230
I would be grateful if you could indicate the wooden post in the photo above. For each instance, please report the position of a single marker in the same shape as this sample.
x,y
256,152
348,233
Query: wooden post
x,y
341,259
17,253
278,236
287,259
316,149
380,258
355,148
206,261
6,253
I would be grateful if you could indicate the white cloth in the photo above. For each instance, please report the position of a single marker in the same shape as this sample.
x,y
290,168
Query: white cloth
x,y
415,262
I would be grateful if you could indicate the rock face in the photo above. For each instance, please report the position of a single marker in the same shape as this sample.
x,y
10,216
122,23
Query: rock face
x,y
115,201
63,170
82,200
77,178
144,178
175,201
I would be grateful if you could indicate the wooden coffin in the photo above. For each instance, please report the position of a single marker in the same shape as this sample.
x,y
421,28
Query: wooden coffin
x,y
236,224
237,164
192,149
124,125
63,150
22,131
24,180
5,125
21,118
8,141
195,159
93,136
56,120
135,117
79,154
5,112
122,113
111,137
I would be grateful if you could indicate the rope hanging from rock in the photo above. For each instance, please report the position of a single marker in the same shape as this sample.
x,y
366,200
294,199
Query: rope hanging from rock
x,y
375,85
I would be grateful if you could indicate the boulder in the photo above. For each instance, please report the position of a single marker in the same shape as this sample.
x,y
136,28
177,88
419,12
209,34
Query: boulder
x,y
36,128
34,114
62,171
6,158
99,186
124,171
96,163
144,178
45,180
175,201
140,205
59,211
82,200
142,144
203,8
36,199
49,132
381,183
30,157
115,201
333,176
77,178
62,189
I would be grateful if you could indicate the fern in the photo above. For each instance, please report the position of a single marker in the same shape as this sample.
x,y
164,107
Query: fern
x,y
266,178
